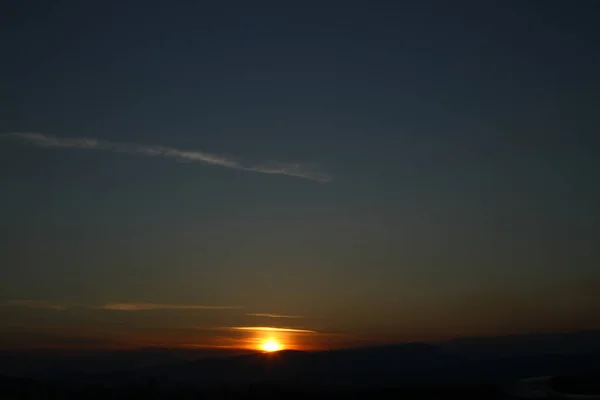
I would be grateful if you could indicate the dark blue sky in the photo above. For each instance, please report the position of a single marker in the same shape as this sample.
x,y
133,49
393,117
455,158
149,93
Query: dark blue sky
x,y
459,141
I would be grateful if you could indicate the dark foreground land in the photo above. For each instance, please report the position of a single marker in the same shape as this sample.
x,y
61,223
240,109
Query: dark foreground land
x,y
25,388
20,388
496,368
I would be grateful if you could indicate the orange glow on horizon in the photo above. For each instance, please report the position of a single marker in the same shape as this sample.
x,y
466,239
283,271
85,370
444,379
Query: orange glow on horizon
x,y
271,346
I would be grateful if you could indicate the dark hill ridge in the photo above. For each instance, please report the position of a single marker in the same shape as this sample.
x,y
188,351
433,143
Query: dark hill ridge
x,y
53,363
382,366
413,363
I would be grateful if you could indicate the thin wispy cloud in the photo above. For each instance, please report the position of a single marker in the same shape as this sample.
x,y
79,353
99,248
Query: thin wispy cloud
x,y
270,329
41,304
47,305
153,306
267,315
50,141
305,171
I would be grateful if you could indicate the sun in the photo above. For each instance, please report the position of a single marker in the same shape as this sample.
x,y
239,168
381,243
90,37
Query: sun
x,y
271,346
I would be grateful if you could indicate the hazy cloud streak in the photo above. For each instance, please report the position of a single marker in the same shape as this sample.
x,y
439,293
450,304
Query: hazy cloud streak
x,y
153,306
266,315
51,141
305,171
42,304
270,329
47,305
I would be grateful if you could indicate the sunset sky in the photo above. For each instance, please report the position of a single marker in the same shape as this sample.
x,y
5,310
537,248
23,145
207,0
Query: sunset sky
x,y
349,172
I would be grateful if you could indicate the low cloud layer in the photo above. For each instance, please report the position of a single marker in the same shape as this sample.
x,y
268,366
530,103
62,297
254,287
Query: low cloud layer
x,y
304,171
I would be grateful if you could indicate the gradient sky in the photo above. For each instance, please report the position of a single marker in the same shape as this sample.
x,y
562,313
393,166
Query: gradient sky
x,y
378,170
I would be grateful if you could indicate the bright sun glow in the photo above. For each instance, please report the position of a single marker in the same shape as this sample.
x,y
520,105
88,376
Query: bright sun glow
x,y
270,346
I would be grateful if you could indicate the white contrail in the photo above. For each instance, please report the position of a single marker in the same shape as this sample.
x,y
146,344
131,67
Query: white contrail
x,y
305,171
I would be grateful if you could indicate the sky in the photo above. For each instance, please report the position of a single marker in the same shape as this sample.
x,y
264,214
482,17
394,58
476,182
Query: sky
x,y
348,172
